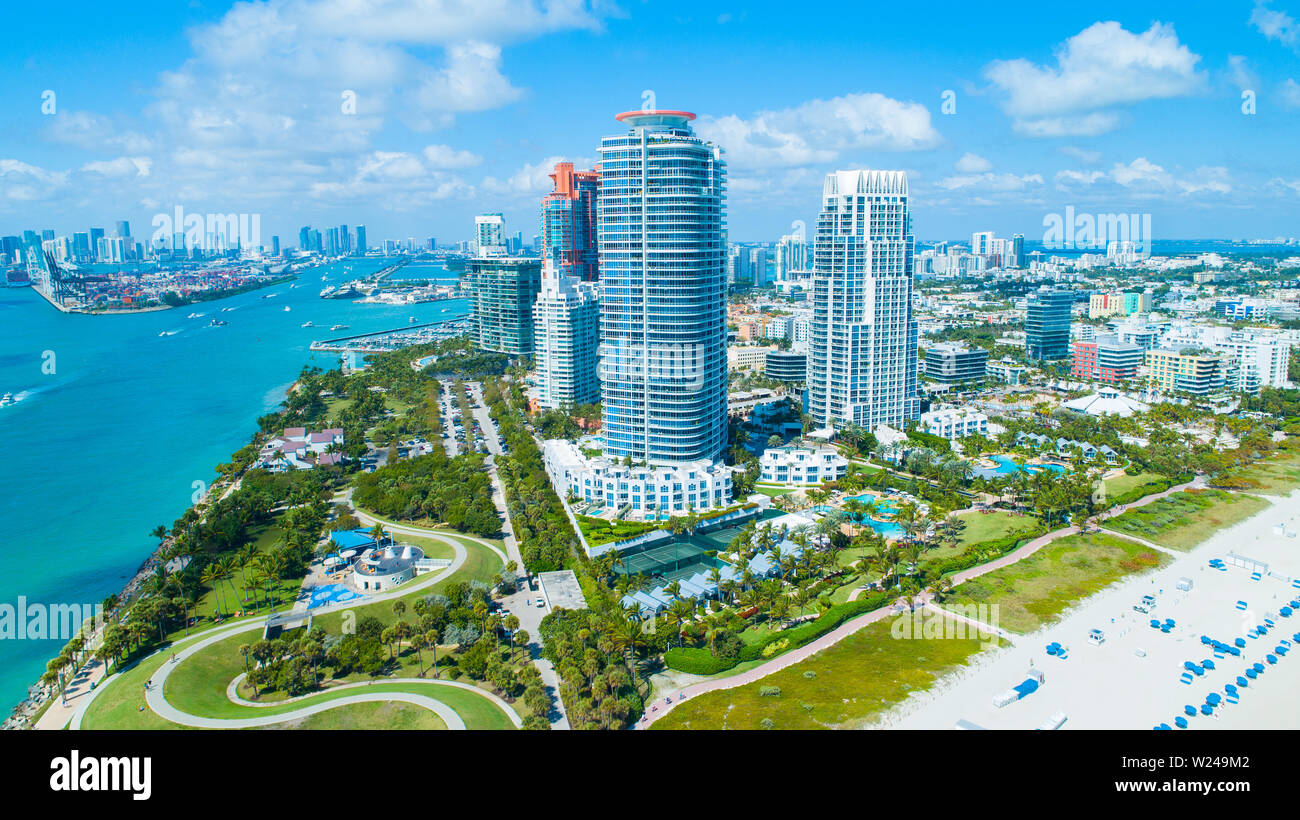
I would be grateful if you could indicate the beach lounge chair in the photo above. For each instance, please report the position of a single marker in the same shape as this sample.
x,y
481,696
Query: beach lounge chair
x,y
1186,678
1241,605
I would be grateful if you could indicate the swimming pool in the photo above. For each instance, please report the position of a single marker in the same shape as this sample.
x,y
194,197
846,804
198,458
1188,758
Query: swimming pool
x,y
889,529
326,594
1006,466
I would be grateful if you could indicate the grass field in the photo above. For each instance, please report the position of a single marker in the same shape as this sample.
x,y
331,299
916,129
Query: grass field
x,y
1116,487
386,716
1036,590
1183,520
119,706
1279,475
849,685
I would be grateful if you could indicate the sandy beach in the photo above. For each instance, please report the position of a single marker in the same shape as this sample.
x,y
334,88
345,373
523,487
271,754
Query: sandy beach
x,y
1133,679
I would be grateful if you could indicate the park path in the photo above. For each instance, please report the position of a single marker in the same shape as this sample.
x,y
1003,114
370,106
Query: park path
x,y
659,709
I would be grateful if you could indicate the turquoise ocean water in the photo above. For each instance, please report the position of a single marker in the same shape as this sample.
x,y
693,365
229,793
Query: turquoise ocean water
x,y
111,444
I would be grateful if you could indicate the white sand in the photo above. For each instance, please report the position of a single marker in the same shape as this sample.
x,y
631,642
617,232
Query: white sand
x,y
1109,686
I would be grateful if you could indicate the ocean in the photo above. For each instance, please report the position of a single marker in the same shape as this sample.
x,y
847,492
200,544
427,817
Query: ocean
x,y
119,426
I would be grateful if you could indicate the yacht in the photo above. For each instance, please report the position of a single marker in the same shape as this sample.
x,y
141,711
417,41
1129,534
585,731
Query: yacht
x,y
306,324
286,308
218,323
339,327
6,400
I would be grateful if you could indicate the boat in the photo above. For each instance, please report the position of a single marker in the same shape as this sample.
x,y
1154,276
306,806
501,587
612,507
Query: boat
x,y
412,320
6,400
226,310
195,316
218,323
339,327
306,324
286,308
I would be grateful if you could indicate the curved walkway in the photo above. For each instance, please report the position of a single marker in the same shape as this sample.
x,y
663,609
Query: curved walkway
x,y
207,637
658,710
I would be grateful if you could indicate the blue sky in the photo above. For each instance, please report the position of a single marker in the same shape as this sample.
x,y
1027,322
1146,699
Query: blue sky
x,y
463,107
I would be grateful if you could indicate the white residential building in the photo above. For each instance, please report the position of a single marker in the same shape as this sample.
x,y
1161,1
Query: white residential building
x,y
490,234
566,340
642,491
863,362
802,465
953,423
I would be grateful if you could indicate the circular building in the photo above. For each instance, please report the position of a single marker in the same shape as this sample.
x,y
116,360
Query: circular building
x,y
786,366
386,567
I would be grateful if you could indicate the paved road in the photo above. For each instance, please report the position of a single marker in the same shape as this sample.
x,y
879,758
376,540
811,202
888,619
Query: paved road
x,y
529,616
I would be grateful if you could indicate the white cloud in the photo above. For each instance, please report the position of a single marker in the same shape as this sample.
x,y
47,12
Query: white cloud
x,y
1087,157
1102,66
120,167
1145,178
973,164
444,156
532,180
1290,93
819,131
1274,25
1240,74
94,132
991,182
1088,125
282,101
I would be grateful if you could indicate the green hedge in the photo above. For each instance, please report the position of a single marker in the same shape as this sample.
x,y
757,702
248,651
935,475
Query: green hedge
x,y
701,661
1142,491
983,552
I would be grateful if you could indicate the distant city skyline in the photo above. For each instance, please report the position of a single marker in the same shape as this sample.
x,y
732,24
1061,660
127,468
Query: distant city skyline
x,y
412,118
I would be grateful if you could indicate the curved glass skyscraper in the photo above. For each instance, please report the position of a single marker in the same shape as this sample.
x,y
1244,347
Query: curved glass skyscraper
x,y
663,327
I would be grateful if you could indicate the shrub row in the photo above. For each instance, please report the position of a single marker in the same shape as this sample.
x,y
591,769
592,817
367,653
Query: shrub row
x,y
701,661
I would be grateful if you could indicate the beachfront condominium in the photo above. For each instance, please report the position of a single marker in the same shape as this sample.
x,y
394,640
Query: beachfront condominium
x,y
663,291
1047,324
503,292
566,336
490,234
863,362
569,223
1197,372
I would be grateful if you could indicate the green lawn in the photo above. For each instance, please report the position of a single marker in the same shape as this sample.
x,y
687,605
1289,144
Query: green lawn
x,y
1278,475
1035,591
852,684
773,492
386,716
119,706
1116,487
1183,520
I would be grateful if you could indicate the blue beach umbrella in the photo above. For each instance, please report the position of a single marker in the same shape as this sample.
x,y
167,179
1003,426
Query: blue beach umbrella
x,y
1190,710
1180,722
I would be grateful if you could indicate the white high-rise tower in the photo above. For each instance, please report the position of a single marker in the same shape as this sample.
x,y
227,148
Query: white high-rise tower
x,y
862,368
